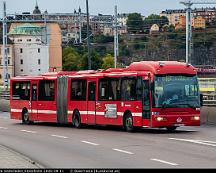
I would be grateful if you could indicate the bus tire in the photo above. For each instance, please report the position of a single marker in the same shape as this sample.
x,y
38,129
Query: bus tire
x,y
76,120
171,128
128,122
25,117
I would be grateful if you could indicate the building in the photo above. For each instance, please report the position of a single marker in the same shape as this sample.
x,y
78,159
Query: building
x,y
173,15
199,22
154,29
207,14
10,55
100,22
37,47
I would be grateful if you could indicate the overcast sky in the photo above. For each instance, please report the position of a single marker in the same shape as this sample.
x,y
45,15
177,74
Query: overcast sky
x,y
145,7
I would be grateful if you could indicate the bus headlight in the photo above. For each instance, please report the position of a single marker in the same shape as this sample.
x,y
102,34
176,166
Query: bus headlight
x,y
196,118
160,119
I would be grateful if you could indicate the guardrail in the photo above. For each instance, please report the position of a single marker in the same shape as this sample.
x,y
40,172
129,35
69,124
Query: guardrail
x,y
5,95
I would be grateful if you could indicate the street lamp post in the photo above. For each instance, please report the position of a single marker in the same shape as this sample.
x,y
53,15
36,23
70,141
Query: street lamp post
x,y
88,37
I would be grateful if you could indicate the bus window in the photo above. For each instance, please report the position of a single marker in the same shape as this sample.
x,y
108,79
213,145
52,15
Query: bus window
x,y
109,89
92,91
128,89
21,91
78,90
46,90
34,92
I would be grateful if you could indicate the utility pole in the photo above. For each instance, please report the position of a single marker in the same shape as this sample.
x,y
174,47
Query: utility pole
x,y
80,27
88,36
189,37
116,49
75,25
5,55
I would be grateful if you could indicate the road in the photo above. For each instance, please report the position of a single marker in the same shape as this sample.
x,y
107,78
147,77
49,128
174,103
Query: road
x,y
56,146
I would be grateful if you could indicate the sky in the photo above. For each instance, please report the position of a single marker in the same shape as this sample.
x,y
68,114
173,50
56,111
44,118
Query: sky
x,y
145,7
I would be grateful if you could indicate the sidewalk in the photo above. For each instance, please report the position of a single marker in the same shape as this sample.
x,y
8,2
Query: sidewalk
x,y
11,159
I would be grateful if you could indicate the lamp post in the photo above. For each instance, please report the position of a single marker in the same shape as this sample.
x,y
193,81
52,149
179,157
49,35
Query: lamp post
x,y
88,37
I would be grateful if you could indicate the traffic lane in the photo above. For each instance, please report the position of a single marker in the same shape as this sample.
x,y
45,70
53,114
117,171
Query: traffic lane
x,y
156,153
53,152
136,143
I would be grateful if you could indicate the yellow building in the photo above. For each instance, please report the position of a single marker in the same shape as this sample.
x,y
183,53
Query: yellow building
x,y
199,22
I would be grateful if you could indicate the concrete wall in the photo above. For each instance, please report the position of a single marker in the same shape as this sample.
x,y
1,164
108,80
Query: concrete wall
x,y
208,114
4,105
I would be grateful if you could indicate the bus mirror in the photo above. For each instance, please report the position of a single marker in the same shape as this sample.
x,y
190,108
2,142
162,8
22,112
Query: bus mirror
x,y
201,99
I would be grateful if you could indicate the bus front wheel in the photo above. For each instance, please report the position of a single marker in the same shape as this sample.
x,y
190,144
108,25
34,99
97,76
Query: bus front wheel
x,y
171,128
128,122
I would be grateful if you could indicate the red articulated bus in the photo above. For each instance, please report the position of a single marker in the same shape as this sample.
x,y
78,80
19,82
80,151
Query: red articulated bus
x,y
157,94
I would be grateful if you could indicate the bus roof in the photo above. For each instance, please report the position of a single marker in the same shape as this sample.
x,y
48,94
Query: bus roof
x,y
163,67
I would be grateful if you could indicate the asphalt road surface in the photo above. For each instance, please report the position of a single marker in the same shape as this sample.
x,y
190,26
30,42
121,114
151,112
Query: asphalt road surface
x,y
56,146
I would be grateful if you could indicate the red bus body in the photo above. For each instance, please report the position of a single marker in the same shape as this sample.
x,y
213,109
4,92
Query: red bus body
x,y
100,97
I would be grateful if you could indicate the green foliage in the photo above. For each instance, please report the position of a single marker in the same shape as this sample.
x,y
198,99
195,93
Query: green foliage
x,y
96,61
135,23
103,39
71,59
108,62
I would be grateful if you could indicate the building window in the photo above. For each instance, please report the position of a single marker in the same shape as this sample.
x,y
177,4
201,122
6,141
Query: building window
x,y
19,40
21,50
37,39
39,62
0,76
38,50
21,61
21,70
8,61
28,40
38,69
8,50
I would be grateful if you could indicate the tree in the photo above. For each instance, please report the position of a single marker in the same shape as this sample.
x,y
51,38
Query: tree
x,y
135,23
96,61
71,59
108,61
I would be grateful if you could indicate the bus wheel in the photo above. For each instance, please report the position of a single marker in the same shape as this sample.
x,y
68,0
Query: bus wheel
x,y
171,128
128,123
76,120
25,117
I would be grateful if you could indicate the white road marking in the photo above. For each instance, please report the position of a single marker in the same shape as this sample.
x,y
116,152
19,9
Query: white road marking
x,y
209,143
162,161
91,143
65,137
5,128
27,131
123,151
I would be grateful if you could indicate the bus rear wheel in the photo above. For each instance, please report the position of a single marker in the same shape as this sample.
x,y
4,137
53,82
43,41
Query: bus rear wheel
x,y
76,120
128,123
25,117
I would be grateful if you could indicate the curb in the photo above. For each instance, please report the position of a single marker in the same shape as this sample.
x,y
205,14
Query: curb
x,y
34,164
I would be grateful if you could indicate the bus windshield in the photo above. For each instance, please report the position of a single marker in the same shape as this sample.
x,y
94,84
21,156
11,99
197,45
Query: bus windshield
x,y
172,91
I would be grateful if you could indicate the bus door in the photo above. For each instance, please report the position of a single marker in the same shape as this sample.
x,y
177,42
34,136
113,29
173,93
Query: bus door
x,y
33,102
146,99
91,105
47,101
